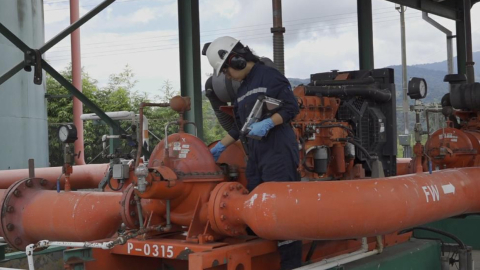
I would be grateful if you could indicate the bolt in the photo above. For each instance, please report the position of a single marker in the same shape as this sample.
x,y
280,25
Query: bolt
x,y
225,194
239,187
232,187
132,202
17,193
132,213
223,217
43,182
223,205
29,183
10,209
245,192
10,227
226,227
29,52
18,241
210,238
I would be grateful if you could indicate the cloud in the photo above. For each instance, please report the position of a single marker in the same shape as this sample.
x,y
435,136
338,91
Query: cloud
x,y
143,15
320,36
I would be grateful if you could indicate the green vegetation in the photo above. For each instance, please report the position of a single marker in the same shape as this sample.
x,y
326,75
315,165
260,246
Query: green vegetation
x,y
117,95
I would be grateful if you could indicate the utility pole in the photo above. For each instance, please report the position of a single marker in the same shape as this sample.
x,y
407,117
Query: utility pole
x,y
405,139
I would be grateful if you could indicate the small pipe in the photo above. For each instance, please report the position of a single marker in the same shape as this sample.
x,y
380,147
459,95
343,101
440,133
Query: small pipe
x,y
45,243
31,168
140,125
166,133
168,226
139,210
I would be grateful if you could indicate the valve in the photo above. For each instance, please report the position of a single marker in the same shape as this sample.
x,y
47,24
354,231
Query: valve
x,y
141,172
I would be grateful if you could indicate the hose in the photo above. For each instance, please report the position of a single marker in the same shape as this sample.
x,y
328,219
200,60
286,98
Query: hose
x,y
364,81
447,234
378,95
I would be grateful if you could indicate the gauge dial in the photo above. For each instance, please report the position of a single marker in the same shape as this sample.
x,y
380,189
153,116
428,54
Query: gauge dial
x,y
417,88
67,133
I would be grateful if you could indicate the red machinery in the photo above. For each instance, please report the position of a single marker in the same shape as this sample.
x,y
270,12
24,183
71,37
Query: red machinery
x,y
185,211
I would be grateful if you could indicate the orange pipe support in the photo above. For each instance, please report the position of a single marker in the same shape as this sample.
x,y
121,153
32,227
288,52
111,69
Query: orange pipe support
x,y
85,176
344,209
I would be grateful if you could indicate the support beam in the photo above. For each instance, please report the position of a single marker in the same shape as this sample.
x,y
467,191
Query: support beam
x,y
365,34
441,8
190,72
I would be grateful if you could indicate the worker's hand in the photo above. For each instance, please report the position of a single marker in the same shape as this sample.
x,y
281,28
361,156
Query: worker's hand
x,y
261,128
217,150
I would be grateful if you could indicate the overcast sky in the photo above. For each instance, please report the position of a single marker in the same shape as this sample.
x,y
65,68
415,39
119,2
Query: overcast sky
x,y
320,36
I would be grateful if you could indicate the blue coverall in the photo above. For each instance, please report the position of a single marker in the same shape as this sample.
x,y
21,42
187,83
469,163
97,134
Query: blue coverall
x,y
274,157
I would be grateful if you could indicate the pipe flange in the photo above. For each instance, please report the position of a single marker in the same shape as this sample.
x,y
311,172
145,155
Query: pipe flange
x,y
218,210
15,198
129,208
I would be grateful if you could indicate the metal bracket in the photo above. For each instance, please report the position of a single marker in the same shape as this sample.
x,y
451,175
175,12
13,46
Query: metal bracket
x,y
77,257
33,57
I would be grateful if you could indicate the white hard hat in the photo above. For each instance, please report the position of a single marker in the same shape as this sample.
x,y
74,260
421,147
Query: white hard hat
x,y
219,50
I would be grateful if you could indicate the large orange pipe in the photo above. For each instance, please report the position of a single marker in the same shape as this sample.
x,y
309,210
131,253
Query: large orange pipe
x,y
346,209
85,176
72,216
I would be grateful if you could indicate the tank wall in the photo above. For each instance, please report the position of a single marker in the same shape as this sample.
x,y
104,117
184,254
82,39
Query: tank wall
x,y
23,114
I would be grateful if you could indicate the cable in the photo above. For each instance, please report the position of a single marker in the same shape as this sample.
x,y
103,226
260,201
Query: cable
x,y
104,45
160,48
229,30
434,230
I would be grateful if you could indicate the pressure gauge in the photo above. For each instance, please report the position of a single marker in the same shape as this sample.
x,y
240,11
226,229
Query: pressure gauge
x,y
417,88
67,133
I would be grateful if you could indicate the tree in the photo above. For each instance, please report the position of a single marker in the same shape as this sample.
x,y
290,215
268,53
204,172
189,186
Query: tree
x,y
118,95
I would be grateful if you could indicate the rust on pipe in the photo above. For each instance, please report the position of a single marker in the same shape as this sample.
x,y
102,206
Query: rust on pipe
x,y
34,212
77,82
85,176
345,209
72,216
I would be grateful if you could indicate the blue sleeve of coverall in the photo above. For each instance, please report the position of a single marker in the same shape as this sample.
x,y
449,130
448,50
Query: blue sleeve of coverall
x,y
235,132
282,90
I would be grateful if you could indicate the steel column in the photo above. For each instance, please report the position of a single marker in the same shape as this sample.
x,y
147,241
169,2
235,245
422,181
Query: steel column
x,y
277,31
365,34
467,6
190,72
461,41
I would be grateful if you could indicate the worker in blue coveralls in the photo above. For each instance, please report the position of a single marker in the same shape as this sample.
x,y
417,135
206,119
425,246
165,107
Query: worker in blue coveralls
x,y
275,157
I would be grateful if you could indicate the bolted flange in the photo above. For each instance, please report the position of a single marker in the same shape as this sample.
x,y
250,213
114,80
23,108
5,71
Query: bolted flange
x,y
17,196
218,212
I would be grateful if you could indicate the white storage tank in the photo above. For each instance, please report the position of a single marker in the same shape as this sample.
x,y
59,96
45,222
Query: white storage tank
x,y
23,112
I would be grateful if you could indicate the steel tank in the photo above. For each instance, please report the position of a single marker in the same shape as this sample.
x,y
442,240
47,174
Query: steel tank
x,y
23,113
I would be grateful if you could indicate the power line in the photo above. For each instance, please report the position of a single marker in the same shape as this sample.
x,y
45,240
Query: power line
x,y
150,49
106,45
248,26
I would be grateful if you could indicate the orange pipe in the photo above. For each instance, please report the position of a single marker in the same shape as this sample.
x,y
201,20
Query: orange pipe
x,y
77,82
85,176
344,209
71,216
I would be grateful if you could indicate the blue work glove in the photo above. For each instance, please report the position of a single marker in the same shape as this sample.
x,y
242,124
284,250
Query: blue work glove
x,y
217,150
261,128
